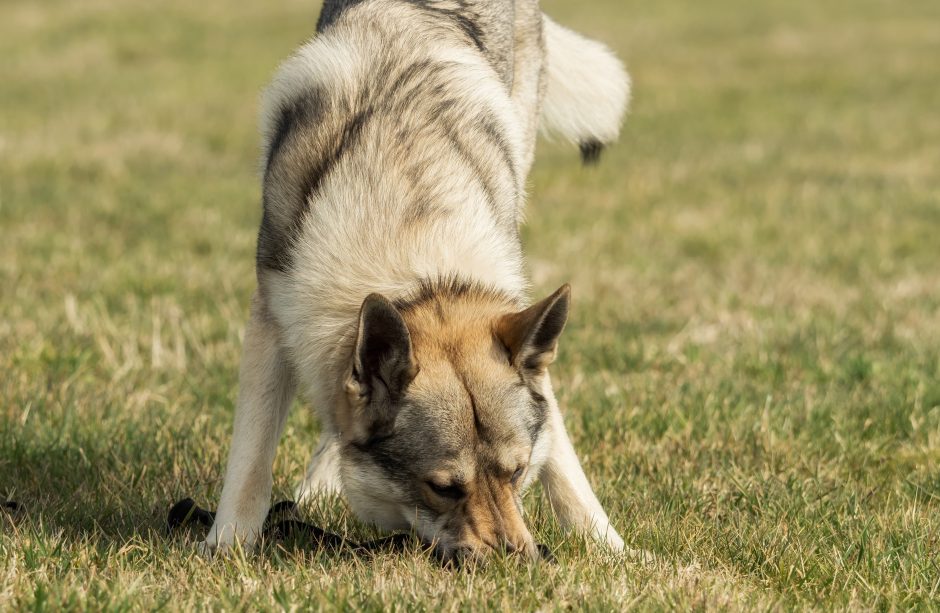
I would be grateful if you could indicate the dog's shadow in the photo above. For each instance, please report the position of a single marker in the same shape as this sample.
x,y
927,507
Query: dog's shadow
x,y
104,489
86,489
103,494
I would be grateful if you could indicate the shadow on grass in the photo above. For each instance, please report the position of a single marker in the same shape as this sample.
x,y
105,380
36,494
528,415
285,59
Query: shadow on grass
x,y
101,487
102,492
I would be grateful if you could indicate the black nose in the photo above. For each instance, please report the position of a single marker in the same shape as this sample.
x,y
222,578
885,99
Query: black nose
x,y
461,557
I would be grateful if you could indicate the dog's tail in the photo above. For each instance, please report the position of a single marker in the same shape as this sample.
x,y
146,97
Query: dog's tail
x,y
587,91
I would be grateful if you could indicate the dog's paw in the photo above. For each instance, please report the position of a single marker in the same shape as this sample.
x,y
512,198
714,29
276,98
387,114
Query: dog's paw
x,y
217,545
639,556
613,540
617,546
211,550
206,549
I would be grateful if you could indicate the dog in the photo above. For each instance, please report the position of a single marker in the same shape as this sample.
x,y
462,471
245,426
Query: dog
x,y
391,286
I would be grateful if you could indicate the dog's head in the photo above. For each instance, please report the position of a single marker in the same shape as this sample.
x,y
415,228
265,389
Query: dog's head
x,y
445,422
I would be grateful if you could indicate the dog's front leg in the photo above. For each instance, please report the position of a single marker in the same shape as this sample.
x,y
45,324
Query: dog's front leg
x,y
322,476
567,487
266,391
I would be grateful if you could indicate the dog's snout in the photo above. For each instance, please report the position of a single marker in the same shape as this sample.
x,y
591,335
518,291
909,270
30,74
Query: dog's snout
x,y
478,551
491,520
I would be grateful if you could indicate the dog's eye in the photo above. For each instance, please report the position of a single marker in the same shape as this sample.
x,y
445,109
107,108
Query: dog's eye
x,y
516,475
454,491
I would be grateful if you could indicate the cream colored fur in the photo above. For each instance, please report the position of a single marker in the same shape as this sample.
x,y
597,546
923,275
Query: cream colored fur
x,y
588,89
303,322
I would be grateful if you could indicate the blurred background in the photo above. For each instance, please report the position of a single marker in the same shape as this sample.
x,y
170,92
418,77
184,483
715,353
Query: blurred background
x,y
752,369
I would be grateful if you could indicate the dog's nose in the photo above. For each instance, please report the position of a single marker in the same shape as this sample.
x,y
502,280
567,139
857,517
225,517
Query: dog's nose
x,y
491,520
461,556
477,551
464,555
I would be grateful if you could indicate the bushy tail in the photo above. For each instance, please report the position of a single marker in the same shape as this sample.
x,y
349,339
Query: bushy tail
x,y
587,91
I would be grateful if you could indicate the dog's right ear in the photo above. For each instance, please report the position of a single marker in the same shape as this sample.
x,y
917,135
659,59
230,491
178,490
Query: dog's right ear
x,y
531,336
383,366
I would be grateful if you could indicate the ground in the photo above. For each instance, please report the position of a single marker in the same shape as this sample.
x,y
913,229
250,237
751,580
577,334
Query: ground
x,y
751,371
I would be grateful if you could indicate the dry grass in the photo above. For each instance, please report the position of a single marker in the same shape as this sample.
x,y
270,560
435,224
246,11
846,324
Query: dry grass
x,y
752,371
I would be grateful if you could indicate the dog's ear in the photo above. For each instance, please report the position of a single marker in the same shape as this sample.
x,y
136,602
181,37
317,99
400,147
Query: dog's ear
x,y
532,335
383,364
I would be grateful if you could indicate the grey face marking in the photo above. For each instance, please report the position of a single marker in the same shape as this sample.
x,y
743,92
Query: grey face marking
x,y
464,427
445,440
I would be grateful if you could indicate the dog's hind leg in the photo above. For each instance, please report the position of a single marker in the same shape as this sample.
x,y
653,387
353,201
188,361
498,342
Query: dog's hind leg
x,y
267,389
568,490
322,472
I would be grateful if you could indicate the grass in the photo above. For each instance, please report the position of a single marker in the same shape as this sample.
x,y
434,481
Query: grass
x,y
752,369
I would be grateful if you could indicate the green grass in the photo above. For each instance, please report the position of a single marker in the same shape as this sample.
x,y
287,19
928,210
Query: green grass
x,y
751,373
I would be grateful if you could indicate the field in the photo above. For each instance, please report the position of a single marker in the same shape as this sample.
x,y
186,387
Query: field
x,y
751,371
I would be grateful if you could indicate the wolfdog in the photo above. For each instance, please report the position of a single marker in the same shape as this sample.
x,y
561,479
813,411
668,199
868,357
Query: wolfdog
x,y
391,286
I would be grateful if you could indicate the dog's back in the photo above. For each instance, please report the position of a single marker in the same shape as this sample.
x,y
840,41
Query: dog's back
x,y
489,24
387,120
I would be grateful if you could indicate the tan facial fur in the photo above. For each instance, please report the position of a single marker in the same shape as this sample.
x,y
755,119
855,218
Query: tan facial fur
x,y
467,438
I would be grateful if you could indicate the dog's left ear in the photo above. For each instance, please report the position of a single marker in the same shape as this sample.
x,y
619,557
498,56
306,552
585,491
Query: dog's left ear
x,y
383,365
532,335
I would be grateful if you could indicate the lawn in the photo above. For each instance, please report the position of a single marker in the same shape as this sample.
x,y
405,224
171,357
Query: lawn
x,y
751,371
